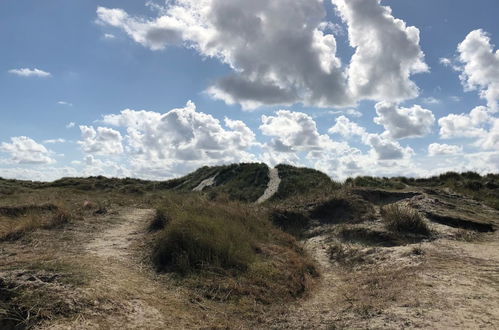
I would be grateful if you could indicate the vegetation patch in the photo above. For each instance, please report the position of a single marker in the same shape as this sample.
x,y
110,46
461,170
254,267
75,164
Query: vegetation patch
x,y
230,250
368,236
300,181
295,223
457,222
348,256
342,209
17,221
404,220
159,221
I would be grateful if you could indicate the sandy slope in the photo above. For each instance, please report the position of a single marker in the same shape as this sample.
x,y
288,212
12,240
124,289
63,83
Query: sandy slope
x,y
272,186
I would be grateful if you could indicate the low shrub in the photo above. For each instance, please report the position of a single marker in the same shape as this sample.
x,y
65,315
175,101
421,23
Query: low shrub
x,y
403,219
159,221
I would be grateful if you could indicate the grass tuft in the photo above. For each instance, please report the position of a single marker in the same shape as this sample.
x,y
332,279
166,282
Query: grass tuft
x,y
403,219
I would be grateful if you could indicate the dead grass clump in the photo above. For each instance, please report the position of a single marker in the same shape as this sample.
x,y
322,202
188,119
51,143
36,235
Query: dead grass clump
x,y
28,298
368,236
403,219
467,235
347,256
13,228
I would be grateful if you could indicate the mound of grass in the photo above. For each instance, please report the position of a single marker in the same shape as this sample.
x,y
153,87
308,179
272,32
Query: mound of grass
x,y
295,223
201,242
342,208
372,182
301,181
229,250
404,220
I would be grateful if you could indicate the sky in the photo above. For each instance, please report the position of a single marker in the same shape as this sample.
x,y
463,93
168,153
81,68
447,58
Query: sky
x,y
156,89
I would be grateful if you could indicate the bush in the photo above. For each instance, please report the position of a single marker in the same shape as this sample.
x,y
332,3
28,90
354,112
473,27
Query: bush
x,y
208,235
159,221
403,219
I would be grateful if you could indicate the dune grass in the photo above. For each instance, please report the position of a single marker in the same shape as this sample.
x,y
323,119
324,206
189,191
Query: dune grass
x,y
229,250
404,220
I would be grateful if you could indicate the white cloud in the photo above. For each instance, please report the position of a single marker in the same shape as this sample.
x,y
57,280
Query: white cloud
x,y
65,103
181,140
445,61
283,52
53,141
465,125
387,51
109,36
480,124
481,66
26,72
430,100
70,125
436,149
292,131
387,149
347,128
103,141
354,113
382,147
24,150
402,123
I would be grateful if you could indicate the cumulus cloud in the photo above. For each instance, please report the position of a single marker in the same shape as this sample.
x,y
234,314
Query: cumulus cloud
x,y
100,141
480,69
480,124
24,150
436,149
382,147
387,51
347,128
465,125
292,131
181,139
283,51
402,123
27,72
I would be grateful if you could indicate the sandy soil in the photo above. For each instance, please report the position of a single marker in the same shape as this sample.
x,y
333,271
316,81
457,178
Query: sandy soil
x,y
272,186
205,183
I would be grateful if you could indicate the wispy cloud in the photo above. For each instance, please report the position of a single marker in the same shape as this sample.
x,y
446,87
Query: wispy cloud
x,y
65,103
27,72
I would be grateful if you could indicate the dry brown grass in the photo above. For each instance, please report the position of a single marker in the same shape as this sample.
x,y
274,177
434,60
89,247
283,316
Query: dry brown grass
x,y
26,219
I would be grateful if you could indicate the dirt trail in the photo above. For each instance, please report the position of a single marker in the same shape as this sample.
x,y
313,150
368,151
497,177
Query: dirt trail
x,y
205,183
318,310
272,186
115,241
125,294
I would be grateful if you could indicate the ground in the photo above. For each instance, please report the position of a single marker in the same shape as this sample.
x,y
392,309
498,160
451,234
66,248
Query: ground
x,y
95,271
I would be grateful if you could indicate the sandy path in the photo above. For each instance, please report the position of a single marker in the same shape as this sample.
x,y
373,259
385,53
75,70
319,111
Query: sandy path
x,y
272,186
205,183
115,241
126,295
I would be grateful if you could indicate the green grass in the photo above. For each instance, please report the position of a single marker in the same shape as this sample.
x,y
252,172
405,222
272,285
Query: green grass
x,y
229,250
301,181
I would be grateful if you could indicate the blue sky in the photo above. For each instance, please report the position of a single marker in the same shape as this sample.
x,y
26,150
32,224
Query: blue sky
x,y
357,87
